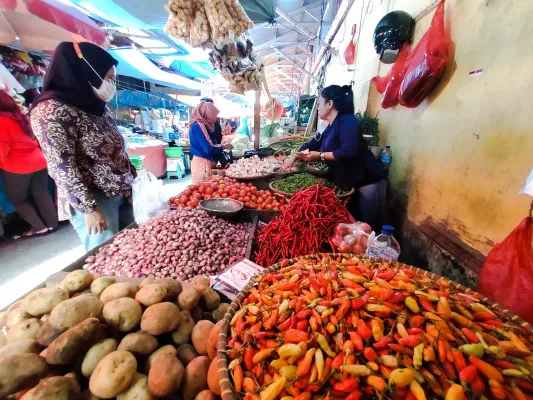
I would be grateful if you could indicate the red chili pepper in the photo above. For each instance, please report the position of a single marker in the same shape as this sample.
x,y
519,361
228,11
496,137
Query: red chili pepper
x,y
323,281
294,321
458,360
415,331
350,284
357,341
496,323
302,325
348,385
343,309
396,347
525,385
416,321
383,343
295,336
504,364
478,385
304,314
249,354
471,336
355,395
329,293
410,341
386,275
314,283
337,361
468,374
483,316
271,322
325,303
397,298
363,330
358,303
370,354
333,272
317,317
426,305
310,388
288,287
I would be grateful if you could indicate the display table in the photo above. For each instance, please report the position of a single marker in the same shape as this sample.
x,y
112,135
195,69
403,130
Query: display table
x,y
155,160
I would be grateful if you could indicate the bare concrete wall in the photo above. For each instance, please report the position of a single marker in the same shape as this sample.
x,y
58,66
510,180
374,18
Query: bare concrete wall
x,y
461,157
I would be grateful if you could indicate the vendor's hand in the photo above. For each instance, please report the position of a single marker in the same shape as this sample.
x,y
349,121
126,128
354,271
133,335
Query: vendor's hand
x,y
228,146
288,164
95,222
311,156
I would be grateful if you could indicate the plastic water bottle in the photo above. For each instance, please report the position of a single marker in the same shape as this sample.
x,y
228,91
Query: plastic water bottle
x,y
385,157
385,246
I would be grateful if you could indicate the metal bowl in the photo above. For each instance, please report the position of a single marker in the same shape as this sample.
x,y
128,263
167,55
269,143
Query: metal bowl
x,y
221,207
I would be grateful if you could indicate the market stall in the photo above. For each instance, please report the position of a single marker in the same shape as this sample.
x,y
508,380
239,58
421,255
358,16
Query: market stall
x,y
154,160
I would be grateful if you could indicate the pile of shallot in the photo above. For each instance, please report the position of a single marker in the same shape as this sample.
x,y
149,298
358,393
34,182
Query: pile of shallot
x,y
179,244
253,167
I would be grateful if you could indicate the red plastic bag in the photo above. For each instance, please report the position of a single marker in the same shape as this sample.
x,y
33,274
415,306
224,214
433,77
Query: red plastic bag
x,y
349,53
389,85
426,63
507,273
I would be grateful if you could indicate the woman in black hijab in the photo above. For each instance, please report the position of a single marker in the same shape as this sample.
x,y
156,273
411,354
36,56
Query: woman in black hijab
x,y
80,140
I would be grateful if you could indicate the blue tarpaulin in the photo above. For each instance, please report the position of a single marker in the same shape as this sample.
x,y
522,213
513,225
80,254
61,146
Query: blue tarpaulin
x,y
134,98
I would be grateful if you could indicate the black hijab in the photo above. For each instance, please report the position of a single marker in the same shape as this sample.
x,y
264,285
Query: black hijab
x,y
69,78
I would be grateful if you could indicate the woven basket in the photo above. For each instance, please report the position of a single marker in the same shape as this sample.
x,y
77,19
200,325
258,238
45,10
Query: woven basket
x,y
289,195
226,387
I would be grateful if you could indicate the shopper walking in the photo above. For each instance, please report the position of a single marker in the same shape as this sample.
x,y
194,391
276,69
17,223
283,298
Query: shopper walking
x,y
341,147
202,148
80,140
24,170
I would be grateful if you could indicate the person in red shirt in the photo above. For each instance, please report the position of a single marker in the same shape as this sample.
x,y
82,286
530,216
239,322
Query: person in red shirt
x,y
23,168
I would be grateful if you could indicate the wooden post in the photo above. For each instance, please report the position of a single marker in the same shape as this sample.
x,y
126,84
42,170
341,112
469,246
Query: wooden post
x,y
257,119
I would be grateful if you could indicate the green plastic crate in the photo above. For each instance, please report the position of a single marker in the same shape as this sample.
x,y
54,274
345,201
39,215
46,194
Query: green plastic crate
x,y
173,152
137,161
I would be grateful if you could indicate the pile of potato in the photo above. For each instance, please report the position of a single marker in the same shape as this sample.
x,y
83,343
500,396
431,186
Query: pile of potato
x,y
206,22
100,338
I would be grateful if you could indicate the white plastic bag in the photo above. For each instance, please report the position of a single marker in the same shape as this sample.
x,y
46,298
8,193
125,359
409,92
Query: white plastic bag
x,y
528,186
148,199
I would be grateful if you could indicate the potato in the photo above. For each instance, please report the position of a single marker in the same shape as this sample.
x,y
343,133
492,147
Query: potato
x,y
205,395
42,301
47,334
87,395
113,374
197,314
160,318
26,329
123,314
221,310
99,284
73,311
213,380
17,315
45,317
189,299
95,354
76,281
182,334
211,299
201,283
151,294
55,387
20,371
186,353
20,347
195,379
212,340
140,344
74,342
118,290
173,286
200,334
138,389
166,375
168,349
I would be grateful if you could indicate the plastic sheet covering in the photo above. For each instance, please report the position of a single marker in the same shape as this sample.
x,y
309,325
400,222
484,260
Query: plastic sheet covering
x,y
507,273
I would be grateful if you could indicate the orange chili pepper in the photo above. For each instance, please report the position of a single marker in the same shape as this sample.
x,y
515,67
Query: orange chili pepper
x,y
458,360
356,340
486,369
441,348
376,382
237,377
496,389
249,358
304,365
248,385
370,354
468,373
295,336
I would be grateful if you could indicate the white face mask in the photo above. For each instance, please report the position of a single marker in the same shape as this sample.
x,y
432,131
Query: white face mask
x,y
106,91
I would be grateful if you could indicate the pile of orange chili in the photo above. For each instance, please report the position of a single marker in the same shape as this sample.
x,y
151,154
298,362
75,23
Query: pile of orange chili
x,y
348,328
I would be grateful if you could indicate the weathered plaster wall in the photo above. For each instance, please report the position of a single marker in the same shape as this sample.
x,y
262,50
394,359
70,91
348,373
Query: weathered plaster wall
x,y
461,157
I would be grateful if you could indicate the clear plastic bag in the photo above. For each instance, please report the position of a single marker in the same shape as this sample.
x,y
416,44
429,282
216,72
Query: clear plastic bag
x,y
148,198
352,238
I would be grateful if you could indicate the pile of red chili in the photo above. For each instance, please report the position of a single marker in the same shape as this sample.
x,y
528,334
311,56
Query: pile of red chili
x,y
304,227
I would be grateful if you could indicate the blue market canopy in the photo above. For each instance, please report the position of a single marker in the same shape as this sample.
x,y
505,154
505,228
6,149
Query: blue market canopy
x,y
134,63
134,98
183,65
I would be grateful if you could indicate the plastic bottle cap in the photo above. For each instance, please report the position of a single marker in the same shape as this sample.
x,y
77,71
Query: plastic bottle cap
x,y
387,229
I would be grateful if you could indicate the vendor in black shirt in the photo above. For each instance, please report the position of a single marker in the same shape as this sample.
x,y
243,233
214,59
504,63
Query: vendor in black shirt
x,y
350,163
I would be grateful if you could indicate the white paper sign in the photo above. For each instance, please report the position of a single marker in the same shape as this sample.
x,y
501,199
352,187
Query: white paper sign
x,y
528,186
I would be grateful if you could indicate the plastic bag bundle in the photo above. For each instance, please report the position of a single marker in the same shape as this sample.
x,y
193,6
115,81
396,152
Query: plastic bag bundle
x,y
352,238
148,198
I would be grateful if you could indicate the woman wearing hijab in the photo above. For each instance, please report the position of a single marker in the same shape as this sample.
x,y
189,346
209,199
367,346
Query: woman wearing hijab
x,y
24,169
80,140
202,148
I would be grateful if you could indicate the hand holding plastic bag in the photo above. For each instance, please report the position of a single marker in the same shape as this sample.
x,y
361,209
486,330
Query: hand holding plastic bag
x,y
352,238
147,197
507,273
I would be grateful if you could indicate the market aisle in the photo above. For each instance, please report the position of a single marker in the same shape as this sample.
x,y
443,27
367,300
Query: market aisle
x,y
26,263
